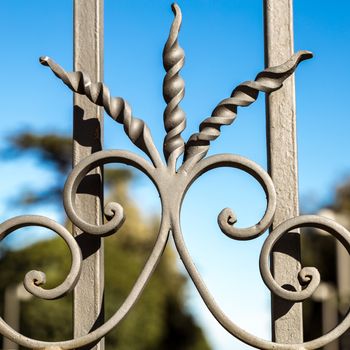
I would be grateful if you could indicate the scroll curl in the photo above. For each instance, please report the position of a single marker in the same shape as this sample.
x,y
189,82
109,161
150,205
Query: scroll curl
x,y
227,217
309,276
35,279
94,160
113,211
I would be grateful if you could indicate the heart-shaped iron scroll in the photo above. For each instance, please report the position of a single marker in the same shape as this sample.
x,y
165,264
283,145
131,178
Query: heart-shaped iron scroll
x,y
167,176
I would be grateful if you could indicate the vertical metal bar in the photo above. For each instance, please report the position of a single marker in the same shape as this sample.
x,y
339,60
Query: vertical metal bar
x,y
282,162
87,134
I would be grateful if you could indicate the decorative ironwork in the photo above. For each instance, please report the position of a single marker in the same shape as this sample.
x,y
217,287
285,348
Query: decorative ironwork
x,y
173,92
165,176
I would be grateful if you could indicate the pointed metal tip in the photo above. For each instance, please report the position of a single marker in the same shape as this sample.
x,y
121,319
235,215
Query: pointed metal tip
x,y
287,68
44,60
175,7
175,27
304,55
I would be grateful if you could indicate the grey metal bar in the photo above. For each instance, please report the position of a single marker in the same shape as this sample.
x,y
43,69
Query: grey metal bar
x,y
282,162
87,134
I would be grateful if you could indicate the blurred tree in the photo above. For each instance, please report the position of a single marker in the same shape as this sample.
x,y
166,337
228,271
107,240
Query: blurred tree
x,y
317,250
158,321
320,249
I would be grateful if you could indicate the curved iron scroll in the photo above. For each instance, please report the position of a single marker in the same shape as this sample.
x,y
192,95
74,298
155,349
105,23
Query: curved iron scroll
x,y
167,175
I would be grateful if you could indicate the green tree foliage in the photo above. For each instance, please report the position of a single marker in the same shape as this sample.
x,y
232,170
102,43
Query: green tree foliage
x,y
158,321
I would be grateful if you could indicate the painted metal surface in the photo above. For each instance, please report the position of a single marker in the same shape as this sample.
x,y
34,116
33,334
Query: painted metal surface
x,y
165,175
87,139
287,325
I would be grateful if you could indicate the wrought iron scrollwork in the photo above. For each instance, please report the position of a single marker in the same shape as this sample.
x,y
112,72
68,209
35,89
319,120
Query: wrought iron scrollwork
x,y
165,175
35,279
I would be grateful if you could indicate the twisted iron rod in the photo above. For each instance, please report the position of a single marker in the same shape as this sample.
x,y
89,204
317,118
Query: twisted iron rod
x,y
173,92
269,80
116,107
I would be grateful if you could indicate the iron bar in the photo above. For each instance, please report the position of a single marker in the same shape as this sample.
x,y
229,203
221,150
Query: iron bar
x,y
88,138
282,163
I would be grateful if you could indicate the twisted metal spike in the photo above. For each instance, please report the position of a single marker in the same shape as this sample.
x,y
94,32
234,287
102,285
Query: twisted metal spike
x,y
173,92
269,80
116,107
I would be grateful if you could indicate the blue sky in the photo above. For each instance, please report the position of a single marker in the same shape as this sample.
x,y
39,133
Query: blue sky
x,y
223,41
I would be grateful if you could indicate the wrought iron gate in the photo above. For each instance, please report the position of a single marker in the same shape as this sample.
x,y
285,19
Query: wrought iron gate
x,y
85,209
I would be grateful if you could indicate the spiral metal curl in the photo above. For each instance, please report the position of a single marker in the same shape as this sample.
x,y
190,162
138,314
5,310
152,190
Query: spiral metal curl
x,y
173,92
116,107
269,80
227,217
309,276
35,279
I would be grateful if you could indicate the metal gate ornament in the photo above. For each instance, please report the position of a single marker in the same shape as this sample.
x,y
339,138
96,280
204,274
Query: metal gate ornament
x,y
166,176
